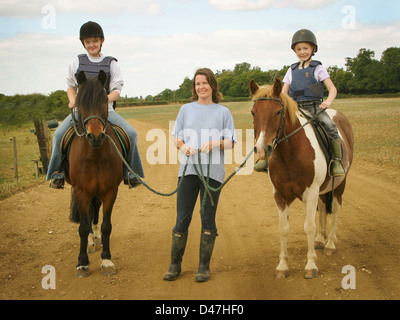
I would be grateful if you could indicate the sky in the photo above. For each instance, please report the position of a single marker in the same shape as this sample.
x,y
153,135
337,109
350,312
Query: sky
x,y
160,42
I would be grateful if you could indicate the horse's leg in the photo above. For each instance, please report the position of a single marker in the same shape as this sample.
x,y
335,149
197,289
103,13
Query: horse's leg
x,y
95,226
107,267
311,270
94,236
330,247
82,269
321,230
282,270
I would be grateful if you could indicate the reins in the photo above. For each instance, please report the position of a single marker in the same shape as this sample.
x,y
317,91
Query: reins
x,y
282,124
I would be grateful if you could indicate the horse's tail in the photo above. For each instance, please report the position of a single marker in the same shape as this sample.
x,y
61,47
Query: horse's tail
x,y
74,213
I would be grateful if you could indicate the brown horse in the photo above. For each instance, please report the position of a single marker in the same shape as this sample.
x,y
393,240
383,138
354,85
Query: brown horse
x,y
298,169
95,169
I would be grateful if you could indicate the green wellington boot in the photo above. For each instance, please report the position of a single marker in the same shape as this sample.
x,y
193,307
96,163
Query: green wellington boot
x,y
336,168
178,249
206,248
261,166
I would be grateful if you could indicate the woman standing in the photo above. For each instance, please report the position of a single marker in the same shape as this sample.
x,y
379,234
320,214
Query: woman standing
x,y
207,127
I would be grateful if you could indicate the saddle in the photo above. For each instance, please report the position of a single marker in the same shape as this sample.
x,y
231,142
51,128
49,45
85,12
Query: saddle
x,y
123,139
320,133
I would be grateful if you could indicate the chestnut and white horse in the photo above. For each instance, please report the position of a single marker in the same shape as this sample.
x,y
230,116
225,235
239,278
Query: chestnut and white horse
x,y
298,169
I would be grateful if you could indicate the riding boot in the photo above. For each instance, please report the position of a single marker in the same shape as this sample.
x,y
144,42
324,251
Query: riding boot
x,y
261,166
178,248
336,167
57,181
206,248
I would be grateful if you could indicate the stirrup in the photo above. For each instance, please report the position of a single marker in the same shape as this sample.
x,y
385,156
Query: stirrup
x,y
52,179
128,181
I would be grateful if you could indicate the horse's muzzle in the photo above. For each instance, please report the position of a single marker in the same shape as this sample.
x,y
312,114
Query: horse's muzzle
x,y
264,152
96,142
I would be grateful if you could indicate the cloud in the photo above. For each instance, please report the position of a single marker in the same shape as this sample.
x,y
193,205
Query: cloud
x,y
251,5
33,8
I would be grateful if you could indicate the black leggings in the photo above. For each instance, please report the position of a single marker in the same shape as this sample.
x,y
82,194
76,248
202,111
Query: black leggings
x,y
186,201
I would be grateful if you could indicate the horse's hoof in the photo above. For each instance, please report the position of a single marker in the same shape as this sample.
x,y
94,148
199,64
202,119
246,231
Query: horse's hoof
x,y
108,268
319,245
279,274
108,271
82,272
329,251
311,274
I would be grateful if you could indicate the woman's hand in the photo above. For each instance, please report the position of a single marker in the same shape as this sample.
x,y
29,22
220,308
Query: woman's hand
x,y
208,146
188,150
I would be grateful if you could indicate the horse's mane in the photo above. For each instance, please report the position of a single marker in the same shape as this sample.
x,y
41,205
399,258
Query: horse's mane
x,y
289,105
91,96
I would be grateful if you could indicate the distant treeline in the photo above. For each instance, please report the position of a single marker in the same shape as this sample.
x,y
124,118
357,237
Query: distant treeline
x,y
363,75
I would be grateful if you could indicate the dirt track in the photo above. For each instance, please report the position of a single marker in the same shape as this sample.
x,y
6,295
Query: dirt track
x,y
35,232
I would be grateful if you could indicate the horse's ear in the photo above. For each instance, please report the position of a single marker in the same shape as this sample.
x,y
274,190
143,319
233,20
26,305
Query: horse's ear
x,y
81,77
102,77
253,87
277,87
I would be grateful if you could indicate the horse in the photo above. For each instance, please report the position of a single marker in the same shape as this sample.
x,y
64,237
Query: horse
x,y
94,169
298,169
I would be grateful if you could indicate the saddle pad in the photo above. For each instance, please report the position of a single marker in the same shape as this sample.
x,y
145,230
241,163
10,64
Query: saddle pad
x,y
123,139
121,134
66,140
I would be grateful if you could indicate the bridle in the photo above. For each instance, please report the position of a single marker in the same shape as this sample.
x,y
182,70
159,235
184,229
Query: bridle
x,y
282,125
85,133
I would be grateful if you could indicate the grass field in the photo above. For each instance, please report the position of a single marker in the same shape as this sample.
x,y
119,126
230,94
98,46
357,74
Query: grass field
x,y
375,122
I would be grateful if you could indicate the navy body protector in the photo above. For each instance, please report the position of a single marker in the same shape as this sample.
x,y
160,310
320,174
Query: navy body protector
x,y
92,69
304,86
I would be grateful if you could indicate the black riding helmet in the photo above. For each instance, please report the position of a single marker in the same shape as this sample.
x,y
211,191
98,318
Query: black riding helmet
x,y
90,29
304,35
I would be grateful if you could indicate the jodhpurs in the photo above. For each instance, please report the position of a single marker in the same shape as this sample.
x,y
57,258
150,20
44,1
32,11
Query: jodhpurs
x,y
186,201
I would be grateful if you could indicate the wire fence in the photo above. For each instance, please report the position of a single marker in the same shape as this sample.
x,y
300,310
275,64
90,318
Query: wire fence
x,y
19,157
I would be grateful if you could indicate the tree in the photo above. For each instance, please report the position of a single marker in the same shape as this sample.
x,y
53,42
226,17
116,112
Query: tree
x,y
391,69
241,68
185,90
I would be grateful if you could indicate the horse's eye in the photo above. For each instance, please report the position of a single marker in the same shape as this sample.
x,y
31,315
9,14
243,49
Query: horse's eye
x,y
278,113
252,113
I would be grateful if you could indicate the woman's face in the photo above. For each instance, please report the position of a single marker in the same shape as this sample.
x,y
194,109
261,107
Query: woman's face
x,y
203,88
93,45
304,50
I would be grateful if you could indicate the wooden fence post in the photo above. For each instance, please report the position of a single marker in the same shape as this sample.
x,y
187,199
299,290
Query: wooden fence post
x,y
14,139
44,141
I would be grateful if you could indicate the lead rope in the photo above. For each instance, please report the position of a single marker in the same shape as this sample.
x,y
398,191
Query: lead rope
x,y
207,187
